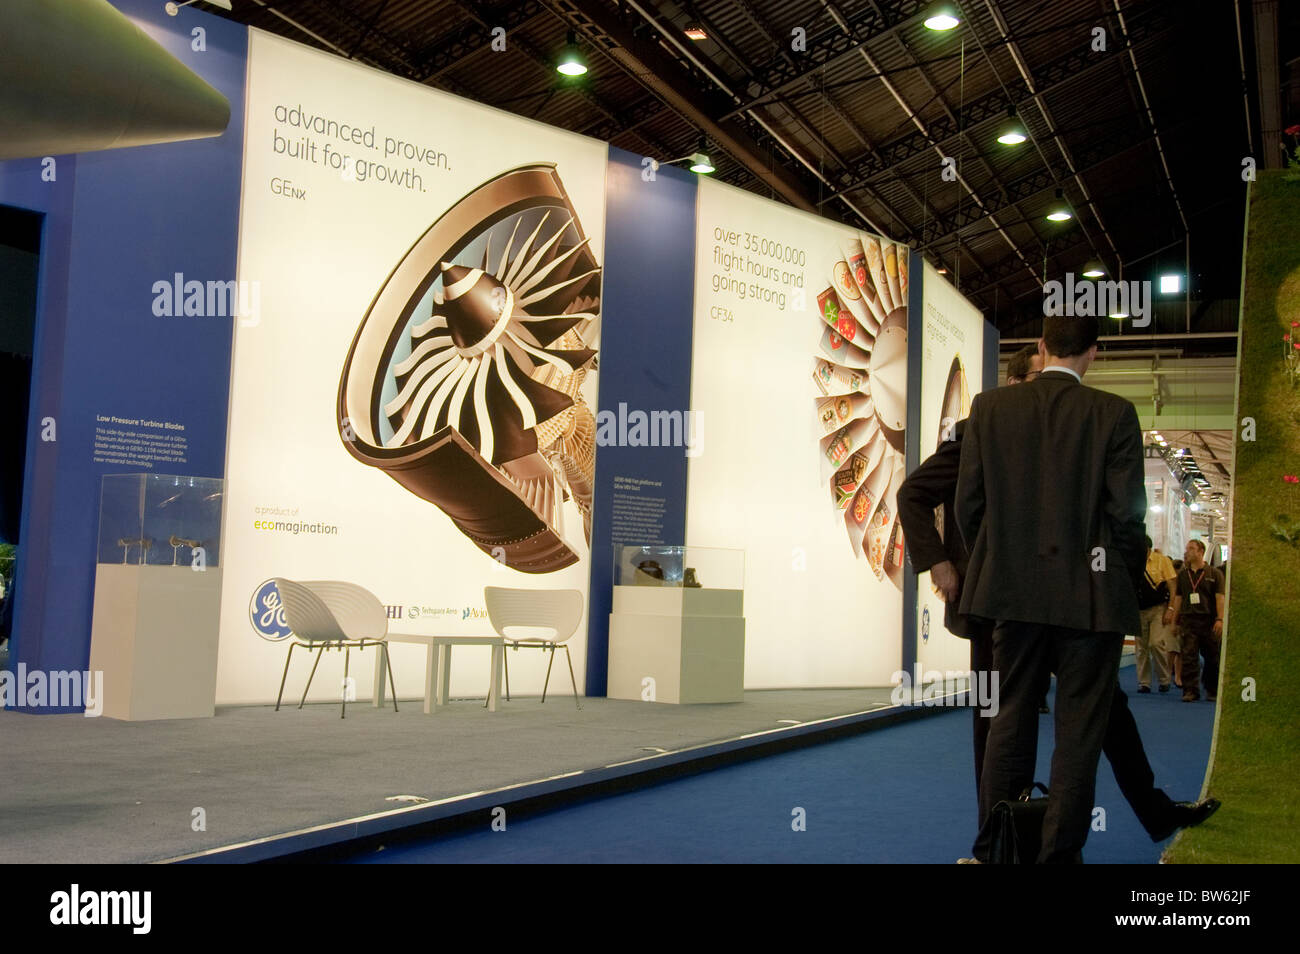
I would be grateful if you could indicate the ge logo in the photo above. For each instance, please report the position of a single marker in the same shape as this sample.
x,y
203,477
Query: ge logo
x,y
266,612
414,612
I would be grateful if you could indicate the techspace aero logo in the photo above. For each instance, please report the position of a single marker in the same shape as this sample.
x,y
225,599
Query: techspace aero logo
x,y
266,613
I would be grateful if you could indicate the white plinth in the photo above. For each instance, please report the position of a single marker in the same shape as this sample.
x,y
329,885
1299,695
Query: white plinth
x,y
687,644
154,636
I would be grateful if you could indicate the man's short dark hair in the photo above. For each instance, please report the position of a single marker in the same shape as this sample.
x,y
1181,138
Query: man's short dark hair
x,y
1199,543
1066,337
1021,362
1150,545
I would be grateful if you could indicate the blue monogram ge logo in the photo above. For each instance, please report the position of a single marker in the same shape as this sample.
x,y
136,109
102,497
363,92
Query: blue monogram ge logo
x,y
266,612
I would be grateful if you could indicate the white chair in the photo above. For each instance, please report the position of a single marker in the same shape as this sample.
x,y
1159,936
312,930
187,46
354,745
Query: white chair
x,y
557,610
332,614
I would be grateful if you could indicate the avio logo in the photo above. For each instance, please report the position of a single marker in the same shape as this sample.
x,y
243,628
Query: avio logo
x,y
266,613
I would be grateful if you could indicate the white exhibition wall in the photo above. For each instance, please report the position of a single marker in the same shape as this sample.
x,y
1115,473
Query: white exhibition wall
x,y
952,373
320,242
820,609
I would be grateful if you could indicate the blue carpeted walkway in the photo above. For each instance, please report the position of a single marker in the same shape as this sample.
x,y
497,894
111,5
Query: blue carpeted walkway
x,y
903,794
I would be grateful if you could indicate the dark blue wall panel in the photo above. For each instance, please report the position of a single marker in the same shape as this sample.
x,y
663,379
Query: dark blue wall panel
x,y
645,359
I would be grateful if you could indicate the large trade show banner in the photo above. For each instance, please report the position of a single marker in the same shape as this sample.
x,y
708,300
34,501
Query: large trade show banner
x,y
800,377
952,372
413,403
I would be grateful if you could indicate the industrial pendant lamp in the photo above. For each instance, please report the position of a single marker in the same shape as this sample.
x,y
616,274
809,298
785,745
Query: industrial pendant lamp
x,y
941,17
571,61
1060,212
1012,132
1094,269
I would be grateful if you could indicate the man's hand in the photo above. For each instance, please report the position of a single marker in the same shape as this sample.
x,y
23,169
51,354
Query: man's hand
x,y
945,580
1168,617
1218,627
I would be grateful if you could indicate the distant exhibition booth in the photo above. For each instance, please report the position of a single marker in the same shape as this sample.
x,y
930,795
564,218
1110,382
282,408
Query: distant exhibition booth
x,y
376,372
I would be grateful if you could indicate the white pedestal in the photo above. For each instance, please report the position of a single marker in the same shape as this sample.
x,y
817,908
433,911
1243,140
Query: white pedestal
x,y
154,636
690,642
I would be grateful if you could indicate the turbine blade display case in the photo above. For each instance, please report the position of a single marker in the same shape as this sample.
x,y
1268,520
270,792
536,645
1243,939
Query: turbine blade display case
x,y
158,595
677,630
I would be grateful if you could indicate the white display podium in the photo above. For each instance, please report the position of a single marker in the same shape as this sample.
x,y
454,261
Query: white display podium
x,y
677,644
154,636
158,596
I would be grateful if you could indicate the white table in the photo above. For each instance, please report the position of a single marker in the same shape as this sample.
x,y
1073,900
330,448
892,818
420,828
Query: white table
x,y
437,667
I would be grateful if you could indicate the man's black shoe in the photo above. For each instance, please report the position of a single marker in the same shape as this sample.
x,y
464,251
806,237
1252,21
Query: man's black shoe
x,y
1146,689
1186,815
1165,688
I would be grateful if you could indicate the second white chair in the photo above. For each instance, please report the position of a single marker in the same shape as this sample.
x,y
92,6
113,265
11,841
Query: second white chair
x,y
557,610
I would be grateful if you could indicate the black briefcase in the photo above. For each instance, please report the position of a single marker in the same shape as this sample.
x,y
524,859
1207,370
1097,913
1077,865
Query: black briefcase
x,y
1018,829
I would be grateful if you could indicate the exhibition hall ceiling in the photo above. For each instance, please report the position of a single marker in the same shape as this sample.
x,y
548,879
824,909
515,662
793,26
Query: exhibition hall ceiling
x,y
1134,112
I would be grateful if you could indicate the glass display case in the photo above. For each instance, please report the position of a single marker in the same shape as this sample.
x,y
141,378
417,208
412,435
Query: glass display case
x,y
677,625
679,566
160,520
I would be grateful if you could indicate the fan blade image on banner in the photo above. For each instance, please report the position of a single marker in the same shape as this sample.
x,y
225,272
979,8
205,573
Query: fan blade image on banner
x,y
864,415
837,349
462,383
832,378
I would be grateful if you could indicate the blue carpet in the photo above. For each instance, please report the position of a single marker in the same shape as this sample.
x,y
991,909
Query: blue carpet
x,y
902,794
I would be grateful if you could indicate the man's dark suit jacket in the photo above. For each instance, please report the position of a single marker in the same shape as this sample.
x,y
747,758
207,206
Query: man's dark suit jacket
x,y
932,484
1050,470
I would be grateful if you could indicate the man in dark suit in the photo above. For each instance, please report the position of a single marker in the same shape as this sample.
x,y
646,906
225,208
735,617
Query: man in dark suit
x,y
934,484
1051,502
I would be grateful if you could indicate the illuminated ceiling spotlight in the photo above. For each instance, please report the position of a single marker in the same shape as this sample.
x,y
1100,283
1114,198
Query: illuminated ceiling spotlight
x,y
1012,132
571,61
695,32
1094,269
1060,212
1171,284
941,17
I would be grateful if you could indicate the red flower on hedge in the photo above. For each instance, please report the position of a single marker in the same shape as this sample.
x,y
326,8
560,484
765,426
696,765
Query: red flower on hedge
x,y
1292,130
1291,478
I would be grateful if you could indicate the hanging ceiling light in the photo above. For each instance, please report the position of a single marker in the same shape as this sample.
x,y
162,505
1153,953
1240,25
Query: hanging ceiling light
x,y
1012,132
941,17
571,61
700,161
1060,212
1094,269
695,32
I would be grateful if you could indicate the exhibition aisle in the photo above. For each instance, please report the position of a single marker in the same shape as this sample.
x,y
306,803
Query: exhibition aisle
x,y
901,795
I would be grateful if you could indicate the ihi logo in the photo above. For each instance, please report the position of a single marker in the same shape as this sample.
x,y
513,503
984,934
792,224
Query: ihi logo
x,y
266,613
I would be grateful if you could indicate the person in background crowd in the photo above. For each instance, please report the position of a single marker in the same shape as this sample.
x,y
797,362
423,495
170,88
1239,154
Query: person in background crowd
x,y
1173,643
1154,591
1198,606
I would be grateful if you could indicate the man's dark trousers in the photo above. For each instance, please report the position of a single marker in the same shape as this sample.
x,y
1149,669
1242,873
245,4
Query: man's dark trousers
x,y
1128,760
1085,664
1196,637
